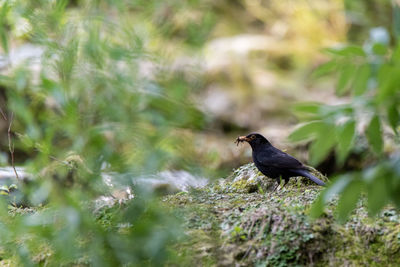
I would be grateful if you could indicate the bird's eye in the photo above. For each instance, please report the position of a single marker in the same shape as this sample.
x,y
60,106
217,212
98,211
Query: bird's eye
x,y
252,137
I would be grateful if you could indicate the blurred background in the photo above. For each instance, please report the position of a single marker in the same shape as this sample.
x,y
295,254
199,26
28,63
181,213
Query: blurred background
x,y
141,87
199,73
238,66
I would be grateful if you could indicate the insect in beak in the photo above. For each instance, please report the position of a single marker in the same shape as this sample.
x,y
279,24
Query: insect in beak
x,y
241,139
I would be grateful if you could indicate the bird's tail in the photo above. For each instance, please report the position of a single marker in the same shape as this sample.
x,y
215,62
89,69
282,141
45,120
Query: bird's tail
x,y
305,173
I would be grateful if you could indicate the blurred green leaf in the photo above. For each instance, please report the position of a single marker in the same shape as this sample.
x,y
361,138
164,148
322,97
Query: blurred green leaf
x,y
348,199
346,73
317,208
374,135
325,68
335,188
306,131
22,77
323,144
396,19
388,83
350,50
394,180
389,79
377,189
65,64
396,53
312,108
345,136
308,111
393,116
361,79
4,9
379,49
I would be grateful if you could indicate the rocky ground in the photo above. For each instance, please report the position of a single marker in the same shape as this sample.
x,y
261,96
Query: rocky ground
x,y
239,221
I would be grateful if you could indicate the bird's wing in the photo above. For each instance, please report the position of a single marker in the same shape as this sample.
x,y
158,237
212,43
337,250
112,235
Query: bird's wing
x,y
278,159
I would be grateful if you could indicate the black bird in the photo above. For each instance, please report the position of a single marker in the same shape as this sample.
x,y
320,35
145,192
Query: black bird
x,y
274,163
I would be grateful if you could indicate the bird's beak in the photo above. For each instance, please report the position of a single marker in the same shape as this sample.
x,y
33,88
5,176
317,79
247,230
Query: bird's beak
x,y
243,138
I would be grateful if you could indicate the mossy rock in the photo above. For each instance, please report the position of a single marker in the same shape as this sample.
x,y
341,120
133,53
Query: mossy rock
x,y
247,179
240,221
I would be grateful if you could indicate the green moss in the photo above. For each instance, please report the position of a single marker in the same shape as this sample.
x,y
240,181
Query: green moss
x,y
244,186
392,240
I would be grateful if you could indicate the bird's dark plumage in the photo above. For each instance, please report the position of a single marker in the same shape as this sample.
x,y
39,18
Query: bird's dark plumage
x,y
274,163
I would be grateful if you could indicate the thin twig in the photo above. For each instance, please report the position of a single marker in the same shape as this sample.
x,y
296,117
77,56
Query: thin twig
x,y
3,114
56,159
247,252
11,145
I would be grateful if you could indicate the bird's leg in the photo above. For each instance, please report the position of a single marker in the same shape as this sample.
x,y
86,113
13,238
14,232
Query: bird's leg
x,y
286,181
277,184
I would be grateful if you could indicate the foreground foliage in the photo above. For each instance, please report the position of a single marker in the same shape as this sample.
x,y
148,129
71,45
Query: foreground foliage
x,y
367,125
93,98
